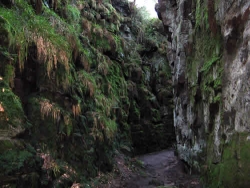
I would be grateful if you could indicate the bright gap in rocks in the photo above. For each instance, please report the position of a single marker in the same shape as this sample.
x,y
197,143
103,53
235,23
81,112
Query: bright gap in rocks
x,y
149,5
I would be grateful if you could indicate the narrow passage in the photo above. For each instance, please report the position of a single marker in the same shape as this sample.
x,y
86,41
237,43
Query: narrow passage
x,y
160,169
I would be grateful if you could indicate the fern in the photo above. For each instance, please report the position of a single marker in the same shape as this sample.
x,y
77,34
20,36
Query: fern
x,y
88,82
207,65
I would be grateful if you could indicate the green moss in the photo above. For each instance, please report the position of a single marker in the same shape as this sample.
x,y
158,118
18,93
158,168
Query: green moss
x,y
217,98
73,15
6,145
58,119
53,38
206,59
100,90
155,115
104,104
234,168
110,128
208,64
204,75
217,83
9,74
198,12
117,81
201,15
87,82
13,160
12,107
103,44
135,109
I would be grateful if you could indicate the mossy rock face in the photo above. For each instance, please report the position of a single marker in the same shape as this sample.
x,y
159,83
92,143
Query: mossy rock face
x,y
12,118
18,158
234,168
134,113
6,145
68,88
155,114
4,33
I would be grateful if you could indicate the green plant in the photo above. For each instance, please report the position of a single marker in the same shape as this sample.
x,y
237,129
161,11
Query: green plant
x,y
207,65
88,81
13,160
73,15
217,98
217,83
12,106
9,74
201,15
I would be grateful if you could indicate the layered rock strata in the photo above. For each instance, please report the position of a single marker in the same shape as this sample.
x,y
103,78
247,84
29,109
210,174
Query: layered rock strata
x,y
208,50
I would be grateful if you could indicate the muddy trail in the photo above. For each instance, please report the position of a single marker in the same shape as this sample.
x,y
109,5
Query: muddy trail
x,y
160,169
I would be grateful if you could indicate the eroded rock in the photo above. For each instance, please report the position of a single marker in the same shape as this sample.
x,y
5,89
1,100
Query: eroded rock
x,y
208,52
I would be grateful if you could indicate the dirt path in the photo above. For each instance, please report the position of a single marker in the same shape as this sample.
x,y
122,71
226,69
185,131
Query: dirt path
x,y
161,169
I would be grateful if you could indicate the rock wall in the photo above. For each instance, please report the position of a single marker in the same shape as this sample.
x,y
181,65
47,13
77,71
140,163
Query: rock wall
x,y
79,82
208,50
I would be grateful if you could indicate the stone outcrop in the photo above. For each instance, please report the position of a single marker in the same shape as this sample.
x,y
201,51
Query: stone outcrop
x,y
208,50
